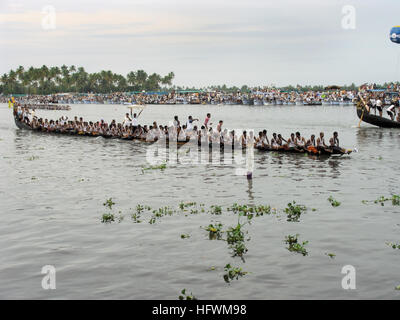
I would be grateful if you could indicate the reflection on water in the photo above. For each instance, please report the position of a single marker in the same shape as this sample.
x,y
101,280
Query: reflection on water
x,y
52,188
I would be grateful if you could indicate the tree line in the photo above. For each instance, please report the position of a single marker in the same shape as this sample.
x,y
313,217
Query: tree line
x,y
48,80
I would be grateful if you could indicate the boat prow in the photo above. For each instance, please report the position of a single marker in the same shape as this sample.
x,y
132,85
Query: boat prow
x,y
21,125
376,120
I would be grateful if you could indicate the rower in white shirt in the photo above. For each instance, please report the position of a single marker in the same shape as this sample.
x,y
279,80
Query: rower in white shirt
x,y
189,123
127,120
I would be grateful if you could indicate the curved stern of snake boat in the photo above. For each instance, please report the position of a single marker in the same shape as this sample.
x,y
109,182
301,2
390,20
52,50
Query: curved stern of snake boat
x,y
376,120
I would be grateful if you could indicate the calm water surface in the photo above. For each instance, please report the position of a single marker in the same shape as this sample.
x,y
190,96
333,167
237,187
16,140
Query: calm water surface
x,y
52,189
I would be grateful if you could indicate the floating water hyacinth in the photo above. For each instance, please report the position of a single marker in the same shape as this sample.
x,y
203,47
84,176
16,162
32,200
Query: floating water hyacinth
x,y
185,296
295,245
333,202
294,211
233,273
214,231
395,199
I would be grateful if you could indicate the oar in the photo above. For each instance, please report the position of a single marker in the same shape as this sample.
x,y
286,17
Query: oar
x,y
361,118
365,107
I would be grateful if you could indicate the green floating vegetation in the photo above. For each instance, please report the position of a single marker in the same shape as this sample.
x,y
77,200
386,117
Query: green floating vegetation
x,y
333,202
185,296
295,245
246,210
214,231
185,236
395,199
183,206
233,273
136,217
397,288
393,245
217,210
109,203
108,218
331,255
32,158
294,211
235,238
162,166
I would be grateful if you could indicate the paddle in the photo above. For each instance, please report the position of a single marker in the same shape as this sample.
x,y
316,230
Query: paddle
x,y
365,107
139,107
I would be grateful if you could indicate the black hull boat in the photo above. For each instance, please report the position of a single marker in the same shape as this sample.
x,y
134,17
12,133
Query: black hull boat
x,y
24,126
309,151
365,116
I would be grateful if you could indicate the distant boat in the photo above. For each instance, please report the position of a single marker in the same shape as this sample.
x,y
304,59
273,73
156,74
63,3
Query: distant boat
x,y
376,120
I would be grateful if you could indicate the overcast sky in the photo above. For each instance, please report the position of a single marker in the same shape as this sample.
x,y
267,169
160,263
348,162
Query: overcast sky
x,y
206,42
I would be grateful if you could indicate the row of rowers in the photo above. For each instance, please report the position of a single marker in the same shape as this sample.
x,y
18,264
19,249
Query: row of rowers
x,y
131,129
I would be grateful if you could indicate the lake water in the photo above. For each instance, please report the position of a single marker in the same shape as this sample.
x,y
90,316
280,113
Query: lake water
x,y
52,190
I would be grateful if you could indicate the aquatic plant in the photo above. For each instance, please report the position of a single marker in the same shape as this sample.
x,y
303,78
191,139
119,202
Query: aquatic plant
x,y
152,220
139,209
395,199
250,210
233,273
108,218
238,249
162,166
331,255
109,203
214,231
235,234
217,210
393,245
333,202
397,288
294,211
184,205
185,236
136,217
32,158
295,245
185,296
235,237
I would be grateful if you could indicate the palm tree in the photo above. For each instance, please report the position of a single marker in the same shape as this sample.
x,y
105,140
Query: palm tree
x,y
141,77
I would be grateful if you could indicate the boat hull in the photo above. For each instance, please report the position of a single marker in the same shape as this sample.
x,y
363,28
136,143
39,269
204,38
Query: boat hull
x,y
376,120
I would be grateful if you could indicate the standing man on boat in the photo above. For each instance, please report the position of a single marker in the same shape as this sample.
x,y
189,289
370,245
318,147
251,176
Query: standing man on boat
x,y
135,121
